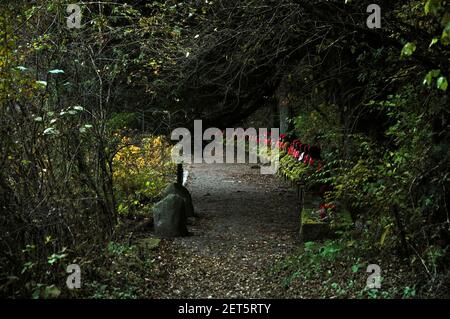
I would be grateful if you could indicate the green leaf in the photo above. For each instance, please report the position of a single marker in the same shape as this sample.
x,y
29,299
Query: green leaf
x,y
78,108
48,239
445,38
37,292
385,233
432,6
355,268
51,292
85,127
27,266
56,71
408,49
430,76
42,83
56,257
50,131
433,42
442,83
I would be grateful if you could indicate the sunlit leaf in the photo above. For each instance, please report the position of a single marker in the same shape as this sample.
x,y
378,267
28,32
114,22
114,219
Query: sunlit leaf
x,y
408,49
85,128
50,131
428,80
78,108
42,83
56,71
442,83
433,42
445,38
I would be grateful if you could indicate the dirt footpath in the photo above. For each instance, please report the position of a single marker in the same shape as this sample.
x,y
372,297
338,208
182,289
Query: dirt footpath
x,y
246,222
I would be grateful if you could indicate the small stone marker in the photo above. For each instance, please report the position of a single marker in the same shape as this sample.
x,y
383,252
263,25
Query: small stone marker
x,y
169,216
182,191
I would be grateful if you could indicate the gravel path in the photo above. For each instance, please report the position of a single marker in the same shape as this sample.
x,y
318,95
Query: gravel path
x,y
246,222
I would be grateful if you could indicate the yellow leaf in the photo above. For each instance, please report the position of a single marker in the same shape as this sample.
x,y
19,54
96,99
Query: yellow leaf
x,y
385,232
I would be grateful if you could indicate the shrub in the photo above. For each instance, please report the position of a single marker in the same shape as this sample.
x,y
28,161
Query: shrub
x,y
140,173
